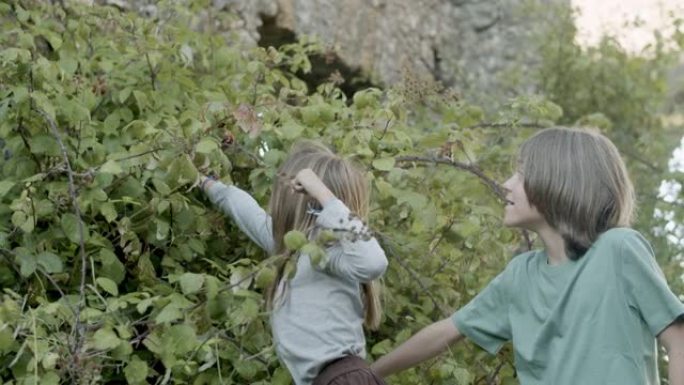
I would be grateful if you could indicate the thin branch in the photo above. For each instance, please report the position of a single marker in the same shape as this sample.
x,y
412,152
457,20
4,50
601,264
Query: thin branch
x,y
506,125
78,327
471,168
22,133
59,289
6,253
634,155
152,151
153,73
384,131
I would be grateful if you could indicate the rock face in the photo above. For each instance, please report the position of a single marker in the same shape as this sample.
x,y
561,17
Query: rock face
x,y
475,45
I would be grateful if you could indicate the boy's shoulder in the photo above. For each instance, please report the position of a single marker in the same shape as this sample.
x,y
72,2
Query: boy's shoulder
x,y
522,259
619,236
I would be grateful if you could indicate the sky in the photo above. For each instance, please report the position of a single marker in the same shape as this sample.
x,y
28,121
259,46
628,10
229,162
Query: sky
x,y
597,16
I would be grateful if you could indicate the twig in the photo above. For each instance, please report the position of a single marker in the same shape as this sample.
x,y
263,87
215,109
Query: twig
x,y
22,134
5,253
78,326
473,169
506,125
153,74
384,131
492,376
634,155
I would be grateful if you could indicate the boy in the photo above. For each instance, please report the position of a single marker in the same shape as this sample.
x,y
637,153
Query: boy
x,y
586,309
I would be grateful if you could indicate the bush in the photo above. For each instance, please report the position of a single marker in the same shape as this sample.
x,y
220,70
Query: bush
x,y
116,270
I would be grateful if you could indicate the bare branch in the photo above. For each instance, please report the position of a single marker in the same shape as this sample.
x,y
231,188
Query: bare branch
x,y
507,125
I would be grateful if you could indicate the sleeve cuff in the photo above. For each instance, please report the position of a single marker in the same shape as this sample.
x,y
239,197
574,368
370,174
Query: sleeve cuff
x,y
490,347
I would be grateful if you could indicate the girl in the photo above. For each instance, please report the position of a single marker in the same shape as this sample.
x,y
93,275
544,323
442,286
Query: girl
x,y
318,316
588,307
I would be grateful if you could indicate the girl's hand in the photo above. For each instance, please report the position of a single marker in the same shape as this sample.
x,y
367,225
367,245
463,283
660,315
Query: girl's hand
x,y
206,182
306,181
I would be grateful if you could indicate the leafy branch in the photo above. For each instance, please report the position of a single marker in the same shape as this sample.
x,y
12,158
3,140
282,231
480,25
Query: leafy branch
x,y
471,168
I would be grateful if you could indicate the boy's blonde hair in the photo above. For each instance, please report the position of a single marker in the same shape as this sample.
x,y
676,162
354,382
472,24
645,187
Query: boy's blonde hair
x,y
289,210
578,182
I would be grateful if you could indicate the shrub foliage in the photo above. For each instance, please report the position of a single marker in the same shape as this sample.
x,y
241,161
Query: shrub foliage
x,y
115,269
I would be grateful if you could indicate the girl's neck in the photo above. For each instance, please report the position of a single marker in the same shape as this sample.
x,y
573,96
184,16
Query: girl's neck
x,y
554,245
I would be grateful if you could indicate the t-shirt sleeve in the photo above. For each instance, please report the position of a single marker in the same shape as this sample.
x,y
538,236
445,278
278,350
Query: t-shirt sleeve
x,y
484,320
645,287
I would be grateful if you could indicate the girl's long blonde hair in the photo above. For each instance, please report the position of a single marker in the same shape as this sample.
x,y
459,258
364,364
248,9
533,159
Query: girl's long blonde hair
x,y
289,210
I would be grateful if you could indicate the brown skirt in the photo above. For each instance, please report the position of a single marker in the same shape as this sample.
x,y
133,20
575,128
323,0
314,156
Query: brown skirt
x,y
349,370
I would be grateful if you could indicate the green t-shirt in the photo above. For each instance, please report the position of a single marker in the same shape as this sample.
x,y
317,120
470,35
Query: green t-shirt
x,y
590,321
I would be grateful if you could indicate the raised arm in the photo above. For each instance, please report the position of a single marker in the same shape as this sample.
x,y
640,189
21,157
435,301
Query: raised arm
x,y
243,210
357,255
427,343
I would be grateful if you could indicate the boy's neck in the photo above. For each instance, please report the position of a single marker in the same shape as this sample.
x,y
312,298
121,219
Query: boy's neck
x,y
554,245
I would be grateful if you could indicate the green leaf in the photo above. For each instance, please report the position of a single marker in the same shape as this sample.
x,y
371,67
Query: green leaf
x,y
49,378
50,360
161,187
136,371
281,377
105,339
50,262
111,167
294,240
291,130
462,376
382,347
179,339
108,285
45,144
206,146
111,123
19,219
6,340
168,314
5,187
124,94
71,228
111,267
191,283
384,164
143,305
163,228
265,277
54,39
315,253
108,211
27,261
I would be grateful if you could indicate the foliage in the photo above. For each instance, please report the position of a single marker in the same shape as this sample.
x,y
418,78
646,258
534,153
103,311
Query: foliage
x,y
116,270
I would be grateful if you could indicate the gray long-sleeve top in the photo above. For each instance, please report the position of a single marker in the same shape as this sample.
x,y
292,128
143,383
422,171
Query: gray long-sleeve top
x,y
321,315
